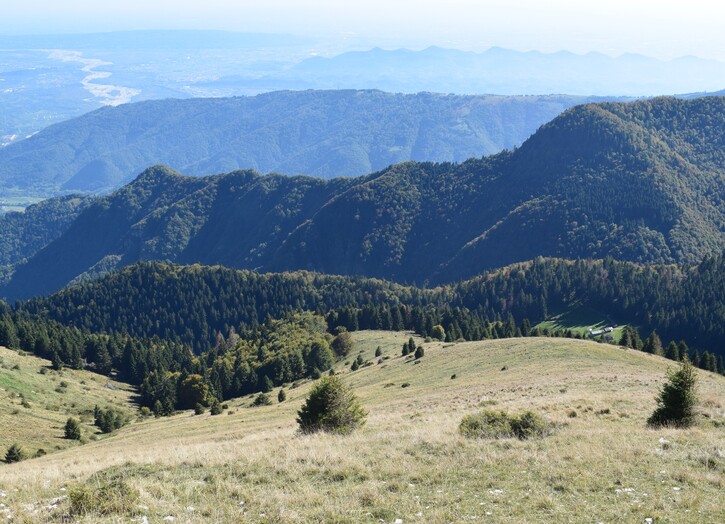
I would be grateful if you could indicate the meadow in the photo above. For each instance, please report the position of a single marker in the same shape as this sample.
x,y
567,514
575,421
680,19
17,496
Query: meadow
x,y
601,463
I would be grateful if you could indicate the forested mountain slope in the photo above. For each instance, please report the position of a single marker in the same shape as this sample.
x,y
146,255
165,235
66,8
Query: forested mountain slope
x,y
640,182
24,234
192,304
317,133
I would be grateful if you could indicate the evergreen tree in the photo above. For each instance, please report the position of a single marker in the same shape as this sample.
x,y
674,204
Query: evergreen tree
x,y
653,345
281,396
14,454
419,352
676,402
72,430
332,407
673,352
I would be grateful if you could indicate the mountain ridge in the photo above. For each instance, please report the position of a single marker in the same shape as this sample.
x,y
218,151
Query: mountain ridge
x,y
317,133
639,182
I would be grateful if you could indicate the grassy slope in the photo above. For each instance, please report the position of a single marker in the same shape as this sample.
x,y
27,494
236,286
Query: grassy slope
x,y
580,320
409,462
50,404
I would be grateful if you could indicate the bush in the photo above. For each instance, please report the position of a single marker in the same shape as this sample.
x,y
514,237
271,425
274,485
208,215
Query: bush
x,y
419,353
378,351
332,407
72,429
281,396
342,344
113,496
262,400
14,454
676,402
108,420
216,407
199,409
499,424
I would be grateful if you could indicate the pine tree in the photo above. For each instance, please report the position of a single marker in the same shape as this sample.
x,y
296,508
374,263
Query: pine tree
x,y
72,429
653,344
332,407
281,396
676,402
419,353
14,454
673,352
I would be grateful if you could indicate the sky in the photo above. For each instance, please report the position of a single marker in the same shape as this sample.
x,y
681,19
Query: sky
x,y
660,28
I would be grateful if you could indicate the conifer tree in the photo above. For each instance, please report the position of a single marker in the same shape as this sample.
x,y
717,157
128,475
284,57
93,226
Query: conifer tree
x,y
72,430
676,402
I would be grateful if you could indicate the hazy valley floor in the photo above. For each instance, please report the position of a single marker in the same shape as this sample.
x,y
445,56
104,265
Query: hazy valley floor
x,y
601,464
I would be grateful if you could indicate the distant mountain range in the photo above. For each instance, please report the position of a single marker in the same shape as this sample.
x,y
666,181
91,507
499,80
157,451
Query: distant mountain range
x,y
318,133
496,70
641,181
45,79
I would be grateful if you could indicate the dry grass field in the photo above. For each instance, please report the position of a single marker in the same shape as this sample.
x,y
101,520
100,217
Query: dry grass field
x,y
600,464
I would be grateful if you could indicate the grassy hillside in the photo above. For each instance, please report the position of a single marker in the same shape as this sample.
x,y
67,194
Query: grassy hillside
x,y
37,402
408,462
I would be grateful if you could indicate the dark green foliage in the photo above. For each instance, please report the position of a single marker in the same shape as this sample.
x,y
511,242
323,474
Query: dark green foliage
x,y
438,332
653,345
342,344
378,351
14,454
676,402
355,366
323,133
281,396
332,407
262,400
216,407
108,420
419,352
72,430
199,409
499,424
543,199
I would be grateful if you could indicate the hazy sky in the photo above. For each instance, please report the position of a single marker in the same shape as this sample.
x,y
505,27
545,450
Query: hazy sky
x,y
661,28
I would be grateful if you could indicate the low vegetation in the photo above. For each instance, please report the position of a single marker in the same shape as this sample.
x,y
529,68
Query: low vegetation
x,y
499,424
409,460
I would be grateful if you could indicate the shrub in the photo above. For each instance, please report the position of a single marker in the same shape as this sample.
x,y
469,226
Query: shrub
x,y
14,454
342,344
72,429
355,366
676,402
216,407
332,407
499,424
419,353
113,496
281,396
108,420
262,400
378,351
438,332
199,409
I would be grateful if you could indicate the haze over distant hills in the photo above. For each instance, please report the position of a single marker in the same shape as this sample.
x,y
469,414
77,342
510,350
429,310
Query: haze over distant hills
x,y
317,133
45,79
639,181
502,71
